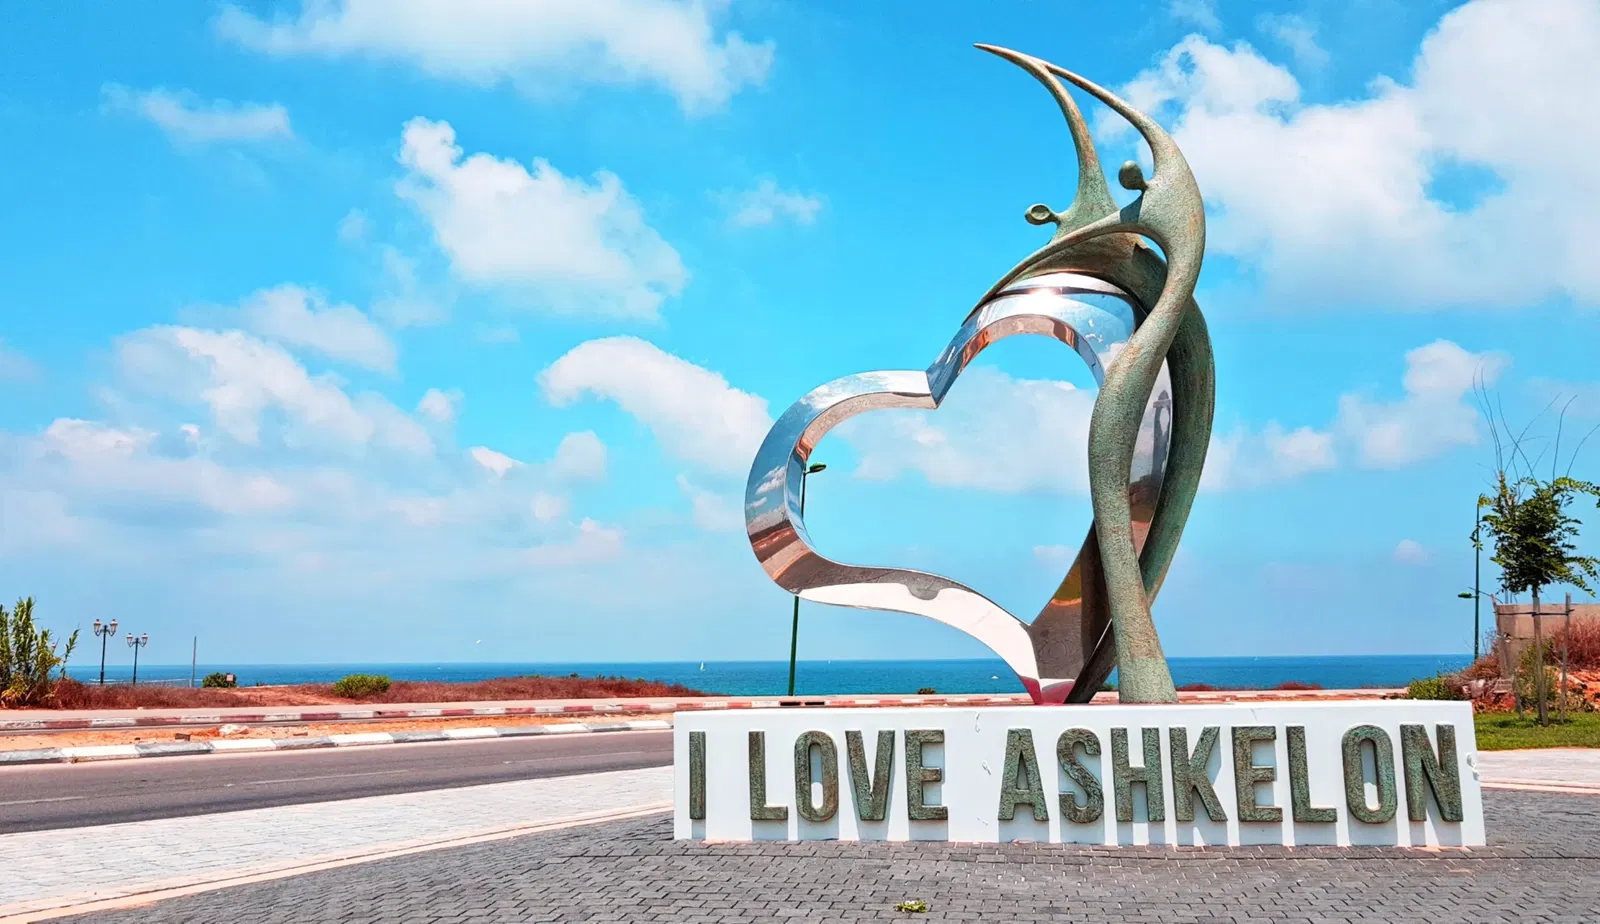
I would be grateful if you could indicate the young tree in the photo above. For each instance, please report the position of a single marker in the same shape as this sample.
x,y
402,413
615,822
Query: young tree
x,y
1535,546
1534,535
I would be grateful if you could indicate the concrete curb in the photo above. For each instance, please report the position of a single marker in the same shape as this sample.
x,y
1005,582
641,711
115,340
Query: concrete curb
x,y
603,707
243,745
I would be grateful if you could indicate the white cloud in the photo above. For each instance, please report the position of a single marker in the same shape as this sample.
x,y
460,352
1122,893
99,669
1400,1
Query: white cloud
x,y
579,456
1055,556
1297,34
1435,414
354,227
1199,13
767,204
100,465
16,367
1337,203
439,406
188,119
1411,552
497,462
1251,459
536,46
566,244
548,507
240,378
594,544
694,413
297,317
406,301
712,511
993,433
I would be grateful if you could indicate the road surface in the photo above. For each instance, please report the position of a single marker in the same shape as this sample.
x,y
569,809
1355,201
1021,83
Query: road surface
x,y
74,795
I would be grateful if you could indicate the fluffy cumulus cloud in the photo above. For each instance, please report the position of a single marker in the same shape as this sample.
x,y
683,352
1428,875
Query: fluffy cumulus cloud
x,y
440,406
190,120
535,46
693,412
1244,458
993,433
296,317
593,544
767,205
220,449
1411,552
1434,415
251,385
712,511
1364,201
566,244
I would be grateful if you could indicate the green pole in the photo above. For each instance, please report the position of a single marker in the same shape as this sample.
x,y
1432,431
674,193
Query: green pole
x,y
794,626
1477,573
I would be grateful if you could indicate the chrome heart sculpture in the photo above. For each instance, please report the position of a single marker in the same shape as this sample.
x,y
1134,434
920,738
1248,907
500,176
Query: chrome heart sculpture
x,y
1098,287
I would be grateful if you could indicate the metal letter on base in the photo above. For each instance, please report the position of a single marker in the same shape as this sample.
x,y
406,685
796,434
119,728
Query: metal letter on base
x,y
1100,288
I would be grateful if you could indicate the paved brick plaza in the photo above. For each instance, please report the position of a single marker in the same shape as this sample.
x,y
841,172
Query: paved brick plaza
x,y
1544,866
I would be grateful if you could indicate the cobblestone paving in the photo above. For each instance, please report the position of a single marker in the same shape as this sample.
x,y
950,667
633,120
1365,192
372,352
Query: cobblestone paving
x,y
1543,866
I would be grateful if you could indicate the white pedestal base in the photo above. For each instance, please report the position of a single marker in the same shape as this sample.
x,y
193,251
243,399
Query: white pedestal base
x,y
963,774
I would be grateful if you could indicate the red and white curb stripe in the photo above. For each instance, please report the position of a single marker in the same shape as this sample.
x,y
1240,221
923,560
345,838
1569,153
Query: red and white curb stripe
x,y
20,724
237,745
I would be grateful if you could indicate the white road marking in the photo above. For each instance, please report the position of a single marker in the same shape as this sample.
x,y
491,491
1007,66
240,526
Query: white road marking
x,y
330,776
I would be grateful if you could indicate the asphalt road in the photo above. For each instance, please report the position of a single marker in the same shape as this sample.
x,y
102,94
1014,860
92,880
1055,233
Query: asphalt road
x,y
75,795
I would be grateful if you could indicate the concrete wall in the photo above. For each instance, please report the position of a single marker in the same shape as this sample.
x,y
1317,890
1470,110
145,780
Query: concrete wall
x,y
1514,625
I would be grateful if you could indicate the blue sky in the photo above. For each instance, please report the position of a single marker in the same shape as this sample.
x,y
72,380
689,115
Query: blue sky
x,y
370,331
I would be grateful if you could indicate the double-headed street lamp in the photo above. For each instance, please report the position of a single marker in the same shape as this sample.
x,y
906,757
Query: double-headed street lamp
x,y
137,643
794,629
105,632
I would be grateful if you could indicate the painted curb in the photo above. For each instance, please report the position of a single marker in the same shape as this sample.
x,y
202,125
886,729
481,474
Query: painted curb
x,y
234,746
323,714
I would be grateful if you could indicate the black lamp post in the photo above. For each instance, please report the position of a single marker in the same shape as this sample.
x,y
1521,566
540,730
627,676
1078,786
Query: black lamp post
x,y
105,632
794,628
137,643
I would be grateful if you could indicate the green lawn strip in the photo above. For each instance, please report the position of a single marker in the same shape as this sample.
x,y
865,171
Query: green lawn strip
x,y
1503,731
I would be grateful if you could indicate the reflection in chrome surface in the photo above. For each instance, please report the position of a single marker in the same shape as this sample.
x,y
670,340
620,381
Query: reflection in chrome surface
x,y
1090,315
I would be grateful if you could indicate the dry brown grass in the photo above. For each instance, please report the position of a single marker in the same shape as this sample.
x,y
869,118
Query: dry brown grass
x,y
1583,650
72,694
432,691
1297,685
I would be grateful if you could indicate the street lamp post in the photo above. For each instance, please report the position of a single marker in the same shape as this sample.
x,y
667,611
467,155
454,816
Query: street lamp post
x,y
794,628
105,632
1477,574
137,643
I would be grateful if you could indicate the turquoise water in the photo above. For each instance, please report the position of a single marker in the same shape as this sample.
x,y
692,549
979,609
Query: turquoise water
x,y
766,678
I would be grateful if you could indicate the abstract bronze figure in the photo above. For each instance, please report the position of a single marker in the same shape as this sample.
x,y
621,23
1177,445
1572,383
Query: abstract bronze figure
x,y
1129,312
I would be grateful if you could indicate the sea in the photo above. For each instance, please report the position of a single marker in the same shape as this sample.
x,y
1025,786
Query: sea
x,y
817,678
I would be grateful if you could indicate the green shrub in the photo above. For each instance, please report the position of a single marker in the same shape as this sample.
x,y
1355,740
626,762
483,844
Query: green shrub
x,y
1444,686
27,656
359,686
218,679
926,691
